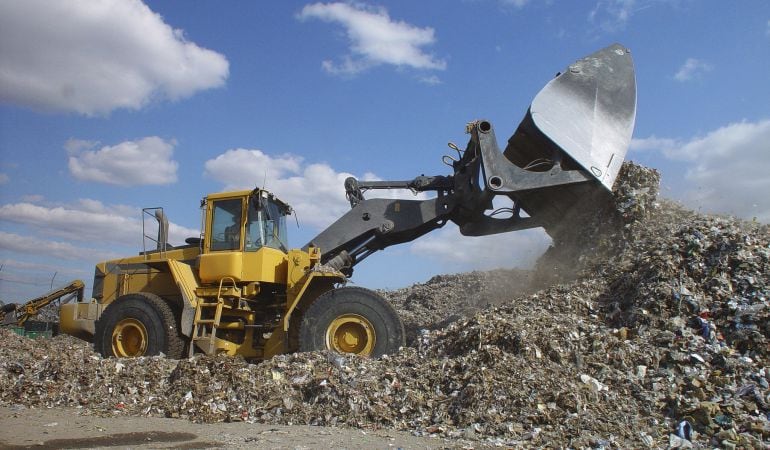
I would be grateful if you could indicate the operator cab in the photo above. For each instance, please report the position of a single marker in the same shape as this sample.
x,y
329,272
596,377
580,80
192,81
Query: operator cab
x,y
245,237
265,223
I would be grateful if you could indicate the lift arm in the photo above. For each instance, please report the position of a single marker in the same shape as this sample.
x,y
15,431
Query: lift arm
x,y
563,157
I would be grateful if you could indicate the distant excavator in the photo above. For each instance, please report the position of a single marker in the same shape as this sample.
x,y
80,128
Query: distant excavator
x,y
238,289
14,314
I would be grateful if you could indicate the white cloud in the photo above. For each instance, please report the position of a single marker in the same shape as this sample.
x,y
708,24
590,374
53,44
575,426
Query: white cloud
x,y
79,145
21,280
516,3
92,57
69,222
88,220
692,68
728,169
431,80
245,169
147,161
42,241
315,190
375,38
652,143
56,249
458,253
612,15
742,140
21,265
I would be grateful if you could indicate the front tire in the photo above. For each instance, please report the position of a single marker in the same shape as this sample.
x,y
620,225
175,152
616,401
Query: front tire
x,y
351,320
140,324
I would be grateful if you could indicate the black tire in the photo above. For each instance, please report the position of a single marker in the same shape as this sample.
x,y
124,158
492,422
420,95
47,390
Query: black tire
x,y
363,311
140,324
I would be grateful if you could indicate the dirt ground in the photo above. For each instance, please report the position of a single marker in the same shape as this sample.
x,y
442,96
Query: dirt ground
x,y
56,428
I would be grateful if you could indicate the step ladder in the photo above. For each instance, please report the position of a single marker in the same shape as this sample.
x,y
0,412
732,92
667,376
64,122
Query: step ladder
x,y
204,333
205,330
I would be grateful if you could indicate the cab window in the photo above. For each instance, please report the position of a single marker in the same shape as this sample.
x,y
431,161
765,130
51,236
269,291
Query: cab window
x,y
266,227
226,225
275,227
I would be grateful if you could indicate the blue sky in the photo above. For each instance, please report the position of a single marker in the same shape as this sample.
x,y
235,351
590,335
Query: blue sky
x,y
113,105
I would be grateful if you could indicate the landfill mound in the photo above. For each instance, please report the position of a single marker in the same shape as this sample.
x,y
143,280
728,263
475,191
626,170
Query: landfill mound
x,y
446,298
654,335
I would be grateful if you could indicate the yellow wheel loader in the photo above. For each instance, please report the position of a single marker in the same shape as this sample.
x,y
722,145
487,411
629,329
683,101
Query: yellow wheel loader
x,y
239,290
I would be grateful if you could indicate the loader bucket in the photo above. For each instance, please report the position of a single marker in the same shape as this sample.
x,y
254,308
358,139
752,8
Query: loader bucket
x,y
584,116
581,120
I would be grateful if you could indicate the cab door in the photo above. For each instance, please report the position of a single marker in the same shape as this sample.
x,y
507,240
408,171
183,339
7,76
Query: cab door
x,y
223,244
235,247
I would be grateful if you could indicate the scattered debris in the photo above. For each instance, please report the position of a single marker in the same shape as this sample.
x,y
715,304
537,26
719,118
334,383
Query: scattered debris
x,y
446,298
656,337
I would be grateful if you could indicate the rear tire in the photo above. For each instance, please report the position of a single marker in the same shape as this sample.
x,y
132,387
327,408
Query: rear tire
x,y
351,320
140,324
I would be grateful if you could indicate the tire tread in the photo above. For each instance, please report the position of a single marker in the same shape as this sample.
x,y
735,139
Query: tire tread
x,y
311,327
175,343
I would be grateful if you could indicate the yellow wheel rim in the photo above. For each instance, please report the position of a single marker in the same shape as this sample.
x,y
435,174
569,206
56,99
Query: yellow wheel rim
x,y
351,333
129,338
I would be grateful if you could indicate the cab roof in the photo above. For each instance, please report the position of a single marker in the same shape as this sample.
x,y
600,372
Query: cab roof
x,y
246,193
229,194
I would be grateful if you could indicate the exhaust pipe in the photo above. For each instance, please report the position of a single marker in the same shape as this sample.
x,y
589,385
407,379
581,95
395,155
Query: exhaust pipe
x,y
162,241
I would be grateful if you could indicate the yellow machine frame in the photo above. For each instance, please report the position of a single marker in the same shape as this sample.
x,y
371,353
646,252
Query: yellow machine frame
x,y
219,294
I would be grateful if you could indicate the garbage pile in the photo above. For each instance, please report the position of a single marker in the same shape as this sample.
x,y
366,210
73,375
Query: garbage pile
x,y
446,298
658,340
